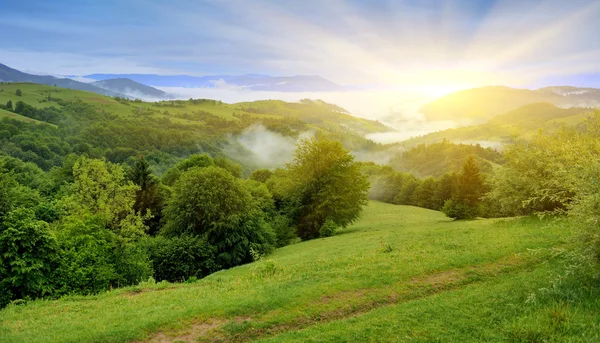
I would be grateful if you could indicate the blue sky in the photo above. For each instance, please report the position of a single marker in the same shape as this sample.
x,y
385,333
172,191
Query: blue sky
x,y
445,42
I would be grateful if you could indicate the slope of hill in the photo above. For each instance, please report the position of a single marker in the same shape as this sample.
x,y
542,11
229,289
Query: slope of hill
x,y
298,83
481,104
131,88
398,274
8,74
522,122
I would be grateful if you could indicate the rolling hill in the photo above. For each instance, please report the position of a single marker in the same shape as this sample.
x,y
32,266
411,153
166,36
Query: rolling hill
x,y
522,122
482,104
314,114
399,274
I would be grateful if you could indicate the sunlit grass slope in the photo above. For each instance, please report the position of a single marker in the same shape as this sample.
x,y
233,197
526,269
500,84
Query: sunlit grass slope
x,y
395,261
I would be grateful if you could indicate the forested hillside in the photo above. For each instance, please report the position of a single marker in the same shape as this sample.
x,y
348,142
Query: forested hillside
x,y
119,129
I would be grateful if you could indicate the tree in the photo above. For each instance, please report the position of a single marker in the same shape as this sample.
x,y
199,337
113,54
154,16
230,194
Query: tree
x,y
329,185
200,160
100,189
149,199
28,250
9,105
19,107
211,202
466,200
470,184
19,92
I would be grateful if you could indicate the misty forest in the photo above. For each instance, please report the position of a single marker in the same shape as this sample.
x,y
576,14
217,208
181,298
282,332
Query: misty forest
x,y
411,202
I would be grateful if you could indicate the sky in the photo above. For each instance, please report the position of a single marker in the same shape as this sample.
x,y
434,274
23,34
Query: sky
x,y
431,44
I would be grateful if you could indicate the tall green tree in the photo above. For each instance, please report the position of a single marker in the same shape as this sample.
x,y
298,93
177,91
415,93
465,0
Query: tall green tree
x,y
470,186
9,105
149,199
466,200
19,92
329,186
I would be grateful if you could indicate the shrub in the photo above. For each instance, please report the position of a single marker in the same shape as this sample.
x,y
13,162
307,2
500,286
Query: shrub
x,y
181,258
328,229
284,232
458,210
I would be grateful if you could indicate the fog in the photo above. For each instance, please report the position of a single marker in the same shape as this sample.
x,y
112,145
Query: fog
x,y
256,146
396,108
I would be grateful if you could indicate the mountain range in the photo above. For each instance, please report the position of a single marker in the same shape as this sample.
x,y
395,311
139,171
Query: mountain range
x,y
256,82
8,74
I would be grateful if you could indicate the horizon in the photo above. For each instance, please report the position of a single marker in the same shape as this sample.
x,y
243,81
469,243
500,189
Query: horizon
x,y
444,45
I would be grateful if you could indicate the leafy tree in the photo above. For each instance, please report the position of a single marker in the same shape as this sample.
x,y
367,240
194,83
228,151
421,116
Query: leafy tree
x,y
261,175
173,174
100,189
85,259
211,202
9,105
28,250
329,185
234,168
19,92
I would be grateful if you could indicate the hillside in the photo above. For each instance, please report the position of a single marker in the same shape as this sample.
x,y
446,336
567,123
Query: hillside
x,y
398,274
130,88
119,129
8,74
522,122
481,104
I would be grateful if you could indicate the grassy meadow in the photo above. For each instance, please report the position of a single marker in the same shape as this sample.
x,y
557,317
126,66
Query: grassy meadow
x,y
400,273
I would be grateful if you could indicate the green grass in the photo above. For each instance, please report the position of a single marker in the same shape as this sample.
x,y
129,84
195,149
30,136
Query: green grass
x,y
377,280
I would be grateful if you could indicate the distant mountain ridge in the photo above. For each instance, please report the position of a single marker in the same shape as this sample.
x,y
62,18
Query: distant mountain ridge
x,y
258,82
131,88
8,74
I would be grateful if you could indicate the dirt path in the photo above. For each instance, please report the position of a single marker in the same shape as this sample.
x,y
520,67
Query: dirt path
x,y
341,305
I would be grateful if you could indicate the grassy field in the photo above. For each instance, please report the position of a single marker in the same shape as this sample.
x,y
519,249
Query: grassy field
x,y
399,274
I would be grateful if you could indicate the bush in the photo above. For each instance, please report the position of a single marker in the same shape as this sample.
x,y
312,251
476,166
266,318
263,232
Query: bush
x,y
328,229
284,232
458,210
181,258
